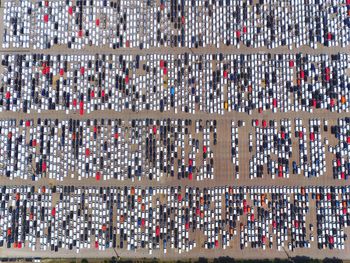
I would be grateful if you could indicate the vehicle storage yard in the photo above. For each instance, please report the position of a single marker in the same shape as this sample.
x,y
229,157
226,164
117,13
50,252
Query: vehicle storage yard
x,y
174,129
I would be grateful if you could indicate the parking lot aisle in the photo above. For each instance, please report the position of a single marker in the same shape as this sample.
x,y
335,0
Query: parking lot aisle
x,y
223,153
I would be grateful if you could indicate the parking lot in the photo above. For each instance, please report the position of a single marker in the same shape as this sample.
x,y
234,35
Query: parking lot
x,y
192,24
211,216
217,144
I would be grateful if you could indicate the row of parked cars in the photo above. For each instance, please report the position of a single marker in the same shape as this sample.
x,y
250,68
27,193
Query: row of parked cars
x,y
271,147
341,132
107,149
79,24
313,144
234,145
210,83
271,139
177,218
316,147
152,149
